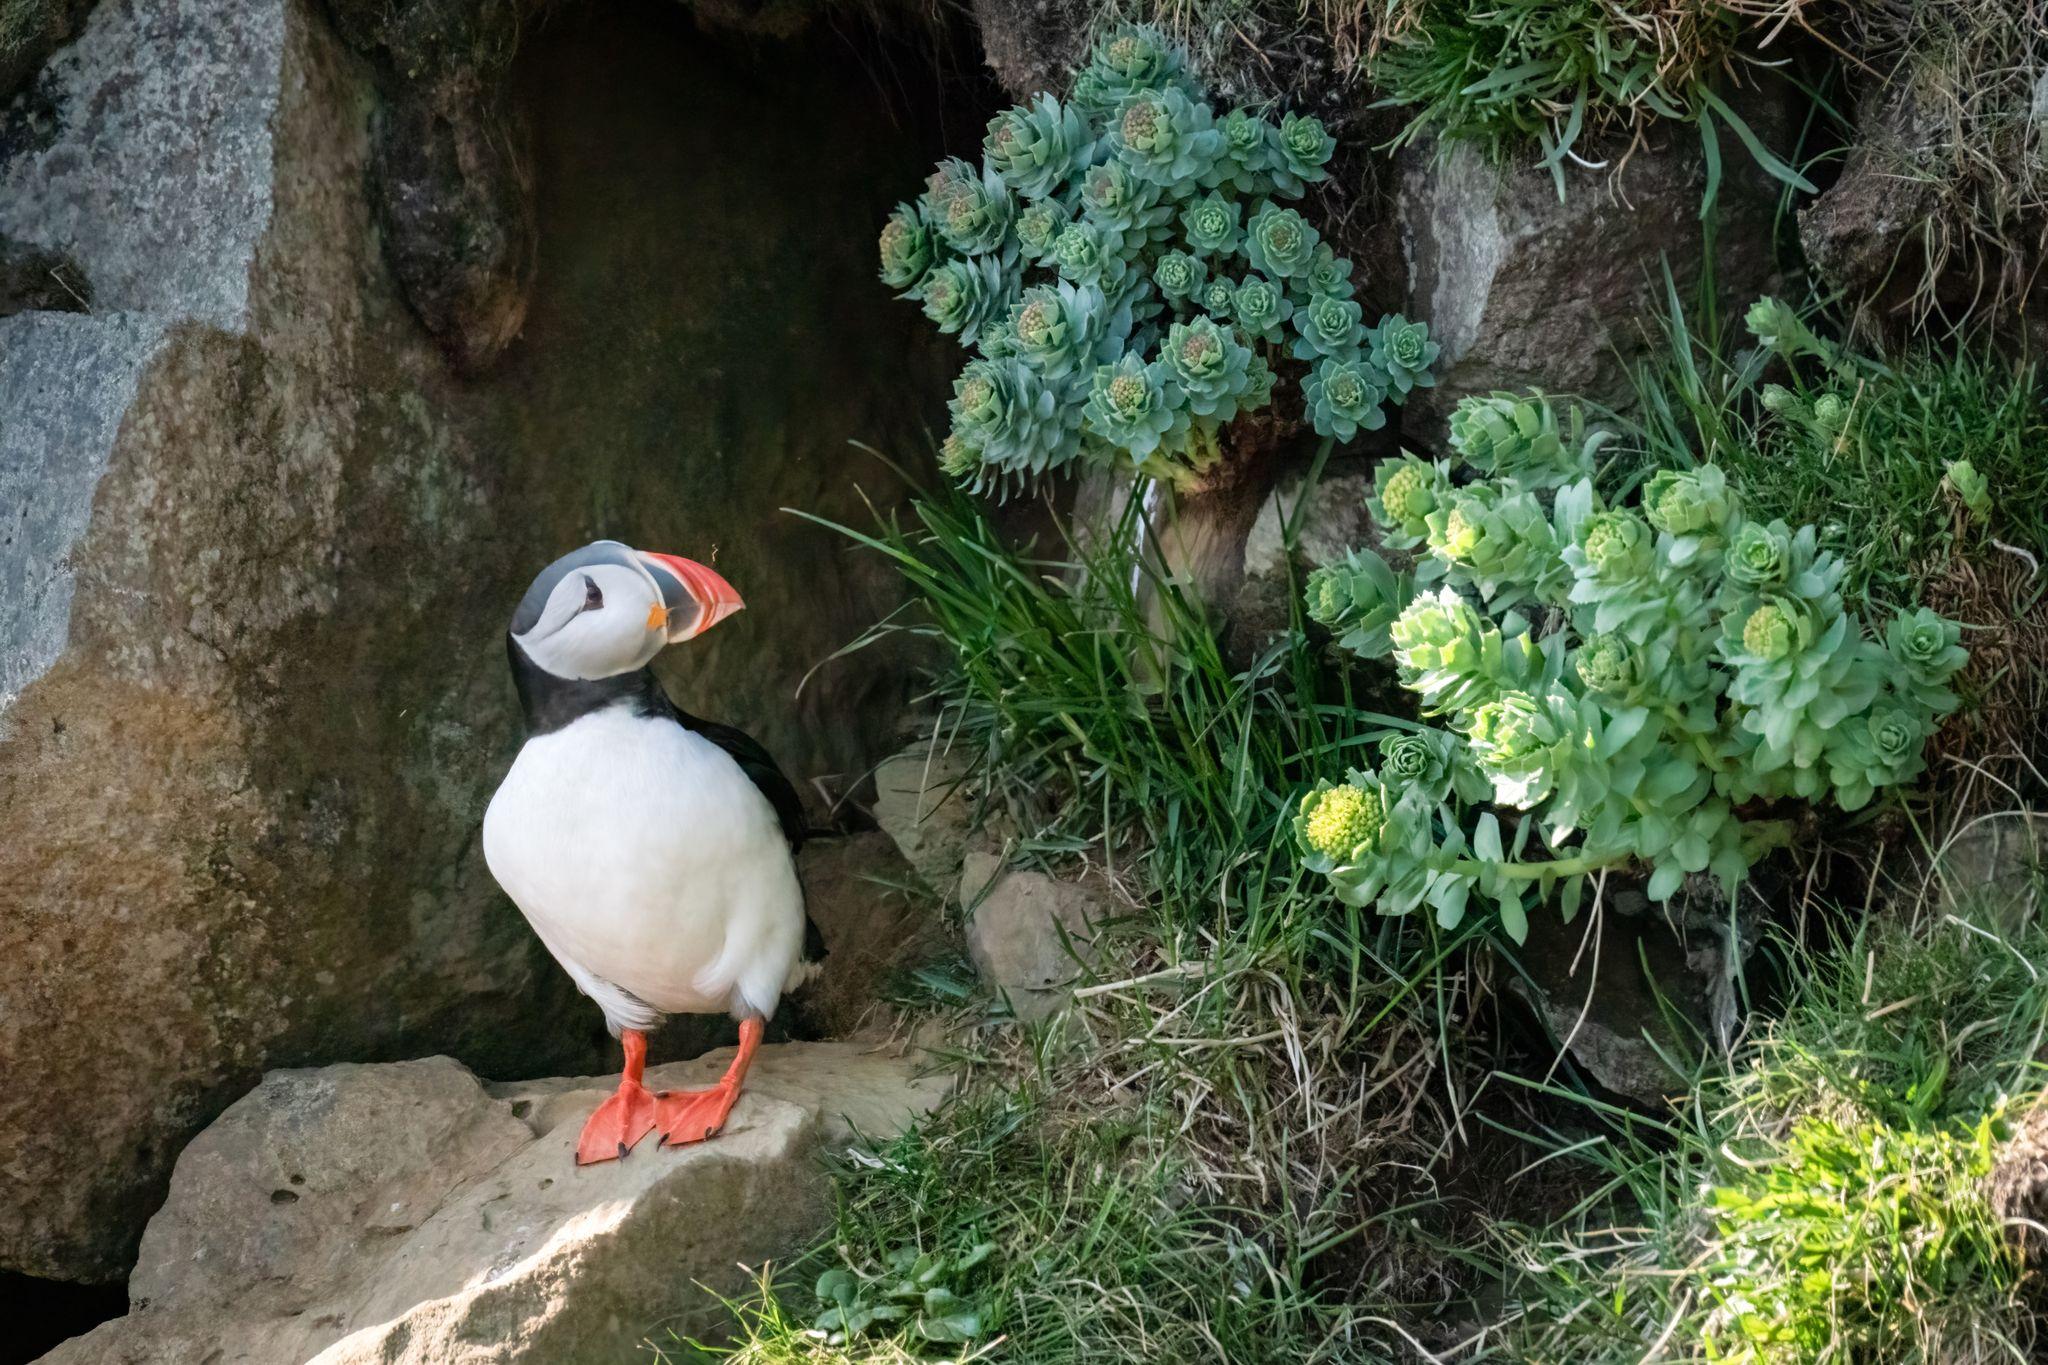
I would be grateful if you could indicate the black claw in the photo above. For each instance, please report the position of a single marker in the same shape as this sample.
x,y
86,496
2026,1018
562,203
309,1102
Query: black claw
x,y
623,1149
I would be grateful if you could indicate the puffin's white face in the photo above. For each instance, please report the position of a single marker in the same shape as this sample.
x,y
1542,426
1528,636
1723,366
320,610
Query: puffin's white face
x,y
607,609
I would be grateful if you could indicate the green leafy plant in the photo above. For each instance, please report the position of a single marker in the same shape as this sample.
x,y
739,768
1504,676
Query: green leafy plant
x,y
1132,278
925,1293
1641,680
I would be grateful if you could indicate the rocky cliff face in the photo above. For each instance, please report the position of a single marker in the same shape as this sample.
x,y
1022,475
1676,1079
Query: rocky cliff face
x,y
259,539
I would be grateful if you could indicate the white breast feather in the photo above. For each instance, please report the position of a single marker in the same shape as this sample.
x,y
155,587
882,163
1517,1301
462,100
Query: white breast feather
x,y
651,866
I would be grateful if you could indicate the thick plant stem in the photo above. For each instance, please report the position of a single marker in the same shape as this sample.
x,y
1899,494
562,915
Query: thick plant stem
x,y
1529,872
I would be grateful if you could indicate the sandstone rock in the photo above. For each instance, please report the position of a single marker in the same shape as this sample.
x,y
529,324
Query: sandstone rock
x,y
1029,932
406,1212
1334,523
2017,1187
1525,291
924,800
1648,982
856,888
260,548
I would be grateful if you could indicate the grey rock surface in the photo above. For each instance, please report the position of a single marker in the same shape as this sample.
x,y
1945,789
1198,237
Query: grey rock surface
x,y
1526,291
924,801
1029,933
406,1212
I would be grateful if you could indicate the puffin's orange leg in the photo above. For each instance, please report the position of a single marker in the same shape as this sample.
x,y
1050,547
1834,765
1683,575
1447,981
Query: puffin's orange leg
x,y
693,1115
627,1116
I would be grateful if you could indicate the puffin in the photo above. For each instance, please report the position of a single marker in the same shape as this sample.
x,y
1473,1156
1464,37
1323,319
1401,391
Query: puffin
x,y
653,853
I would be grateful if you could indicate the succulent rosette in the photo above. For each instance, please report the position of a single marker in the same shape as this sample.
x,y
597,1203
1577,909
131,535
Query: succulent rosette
x,y
907,250
1258,384
1327,273
1087,253
1248,157
1404,353
1135,407
1926,654
1135,58
975,214
1502,542
1329,326
957,456
1208,365
1302,148
1218,297
1692,506
1799,668
1969,486
1446,652
1210,225
1013,417
1779,329
1280,243
1344,398
1879,749
1375,845
1061,328
1166,138
1504,435
1120,202
1759,556
1610,665
947,180
1405,491
1428,766
1519,743
1037,227
1037,145
997,339
1260,308
1180,277
960,296
1357,597
1613,562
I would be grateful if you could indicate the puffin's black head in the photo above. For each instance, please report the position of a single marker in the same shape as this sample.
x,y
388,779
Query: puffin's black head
x,y
607,609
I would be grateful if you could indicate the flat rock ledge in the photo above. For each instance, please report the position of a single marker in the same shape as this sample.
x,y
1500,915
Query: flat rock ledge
x,y
409,1212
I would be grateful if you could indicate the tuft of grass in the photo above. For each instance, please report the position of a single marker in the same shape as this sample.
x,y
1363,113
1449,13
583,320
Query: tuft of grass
x,y
1824,1196
1558,74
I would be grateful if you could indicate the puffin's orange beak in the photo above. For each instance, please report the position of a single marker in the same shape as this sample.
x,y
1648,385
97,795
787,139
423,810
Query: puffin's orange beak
x,y
694,598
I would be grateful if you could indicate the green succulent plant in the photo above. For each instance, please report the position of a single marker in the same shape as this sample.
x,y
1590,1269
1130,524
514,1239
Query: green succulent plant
x,y
1133,221
1970,488
1624,683
1036,146
1280,242
1345,397
1328,327
1135,407
1260,308
1404,353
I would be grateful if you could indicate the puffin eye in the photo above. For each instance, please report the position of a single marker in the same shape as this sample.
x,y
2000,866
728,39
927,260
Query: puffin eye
x,y
592,598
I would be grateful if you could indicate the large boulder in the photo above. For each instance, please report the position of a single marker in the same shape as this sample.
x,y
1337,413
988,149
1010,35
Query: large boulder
x,y
406,1212
260,544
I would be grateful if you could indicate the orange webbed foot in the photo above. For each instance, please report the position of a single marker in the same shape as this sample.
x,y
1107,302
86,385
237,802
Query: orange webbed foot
x,y
694,1115
616,1125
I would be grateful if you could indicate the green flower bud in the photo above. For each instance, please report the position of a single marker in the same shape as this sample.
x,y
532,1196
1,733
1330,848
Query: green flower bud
x,y
1687,502
1038,226
1218,297
957,456
1166,138
1409,493
1607,664
1772,632
1083,254
1507,731
1329,594
1779,399
1035,147
1134,407
906,249
1339,821
1617,546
